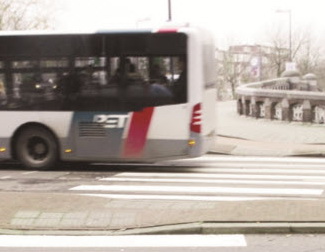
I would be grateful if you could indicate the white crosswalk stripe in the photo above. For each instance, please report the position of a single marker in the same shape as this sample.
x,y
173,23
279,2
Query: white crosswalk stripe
x,y
128,241
257,179
197,189
217,181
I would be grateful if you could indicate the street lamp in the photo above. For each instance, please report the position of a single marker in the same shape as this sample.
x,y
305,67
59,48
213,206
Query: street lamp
x,y
169,10
290,31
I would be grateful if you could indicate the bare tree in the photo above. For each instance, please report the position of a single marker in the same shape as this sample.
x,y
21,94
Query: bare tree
x,y
304,52
279,54
310,56
26,14
233,71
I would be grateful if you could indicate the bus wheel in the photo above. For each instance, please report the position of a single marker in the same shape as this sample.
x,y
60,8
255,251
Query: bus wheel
x,y
36,148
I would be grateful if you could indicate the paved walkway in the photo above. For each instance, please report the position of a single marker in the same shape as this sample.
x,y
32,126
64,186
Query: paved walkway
x,y
240,135
64,214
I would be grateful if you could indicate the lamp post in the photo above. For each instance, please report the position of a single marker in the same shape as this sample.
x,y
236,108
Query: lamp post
x,y
169,10
290,31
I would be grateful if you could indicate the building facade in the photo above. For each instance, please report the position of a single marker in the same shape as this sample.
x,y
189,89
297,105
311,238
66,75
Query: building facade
x,y
242,64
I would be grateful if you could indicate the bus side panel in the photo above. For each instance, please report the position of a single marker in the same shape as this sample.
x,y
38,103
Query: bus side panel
x,y
170,122
148,134
209,120
5,148
209,90
9,123
169,132
197,91
58,122
156,133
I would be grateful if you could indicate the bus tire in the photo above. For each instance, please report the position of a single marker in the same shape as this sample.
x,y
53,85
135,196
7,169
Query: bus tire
x,y
36,148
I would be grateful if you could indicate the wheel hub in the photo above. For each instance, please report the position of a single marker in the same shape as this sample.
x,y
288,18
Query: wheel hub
x,y
40,148
37,148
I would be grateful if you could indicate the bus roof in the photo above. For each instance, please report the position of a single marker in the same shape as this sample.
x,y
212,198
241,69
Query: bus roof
x,y
164,28
66,32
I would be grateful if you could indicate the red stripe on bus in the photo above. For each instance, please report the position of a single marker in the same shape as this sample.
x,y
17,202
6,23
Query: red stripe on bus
x,y
137,135
167,30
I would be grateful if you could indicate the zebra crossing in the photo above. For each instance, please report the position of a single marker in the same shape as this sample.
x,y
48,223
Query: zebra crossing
x,y
120,243
215,178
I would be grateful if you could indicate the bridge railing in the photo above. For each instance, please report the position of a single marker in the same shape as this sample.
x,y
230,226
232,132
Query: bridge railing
x,y
287,99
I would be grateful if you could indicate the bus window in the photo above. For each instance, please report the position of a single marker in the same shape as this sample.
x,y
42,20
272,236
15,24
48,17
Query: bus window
x,y
54,63
99,72
171,75
149,81
35,84
92,71
128,70
3,93
24,64
159,83
34,89
114,71
134,83
180,83
90,61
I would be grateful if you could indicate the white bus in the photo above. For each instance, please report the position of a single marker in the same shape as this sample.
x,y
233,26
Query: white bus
x,y
127,95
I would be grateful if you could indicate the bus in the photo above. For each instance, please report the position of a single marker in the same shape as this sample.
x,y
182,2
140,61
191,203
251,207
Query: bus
x,y
138,95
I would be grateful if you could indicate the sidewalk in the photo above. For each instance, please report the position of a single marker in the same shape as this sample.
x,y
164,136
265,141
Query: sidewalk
x,y
245,136
66,214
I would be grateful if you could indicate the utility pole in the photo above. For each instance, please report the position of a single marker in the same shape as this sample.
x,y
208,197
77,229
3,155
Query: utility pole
x,y
169,10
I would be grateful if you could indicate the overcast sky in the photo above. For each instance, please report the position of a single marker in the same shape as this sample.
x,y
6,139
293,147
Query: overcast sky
x,y
244,21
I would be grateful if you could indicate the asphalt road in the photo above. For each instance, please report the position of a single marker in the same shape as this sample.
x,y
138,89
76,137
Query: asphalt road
x,y
210,178
211,189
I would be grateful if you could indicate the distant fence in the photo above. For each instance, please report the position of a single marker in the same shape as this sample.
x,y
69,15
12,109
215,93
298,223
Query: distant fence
x,y
287,98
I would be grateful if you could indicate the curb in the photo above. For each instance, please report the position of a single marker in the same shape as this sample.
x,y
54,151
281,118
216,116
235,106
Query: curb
x,y
229,145
193,228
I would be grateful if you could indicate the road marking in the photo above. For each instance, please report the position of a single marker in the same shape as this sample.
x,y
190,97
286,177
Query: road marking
x,y
260,170
215,181
150,241
6,177
184,197
281,160
221,176
187,189
30,172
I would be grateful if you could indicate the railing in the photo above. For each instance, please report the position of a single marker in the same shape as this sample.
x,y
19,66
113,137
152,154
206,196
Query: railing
x,y
286,99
